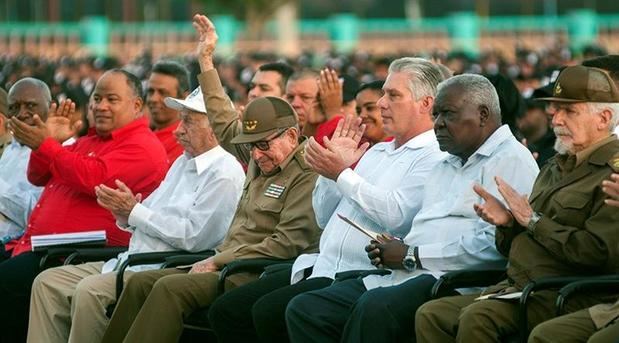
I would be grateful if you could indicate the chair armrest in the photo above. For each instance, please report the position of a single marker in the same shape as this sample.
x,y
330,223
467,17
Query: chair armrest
x,y
93,254
253,265
359,274
57,252
606,283
540,284
467,278
178,260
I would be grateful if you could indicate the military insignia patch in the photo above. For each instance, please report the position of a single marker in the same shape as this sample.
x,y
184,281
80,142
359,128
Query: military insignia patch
x,y
558,89
615,162
274,191
250,125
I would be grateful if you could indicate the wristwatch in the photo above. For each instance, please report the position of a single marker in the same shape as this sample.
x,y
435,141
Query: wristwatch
x,y
409,262
535,217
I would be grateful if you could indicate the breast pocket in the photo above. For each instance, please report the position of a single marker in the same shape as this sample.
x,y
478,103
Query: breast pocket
x,y
572,208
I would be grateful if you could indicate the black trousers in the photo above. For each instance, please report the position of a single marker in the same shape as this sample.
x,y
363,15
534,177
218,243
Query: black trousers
x,y
347,312
255,311
16,276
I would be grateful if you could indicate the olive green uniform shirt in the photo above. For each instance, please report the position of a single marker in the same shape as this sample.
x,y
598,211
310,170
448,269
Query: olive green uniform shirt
x,y
578,234
274,218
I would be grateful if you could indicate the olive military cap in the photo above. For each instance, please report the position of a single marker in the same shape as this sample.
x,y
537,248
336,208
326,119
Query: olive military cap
x,y
263,117
584,84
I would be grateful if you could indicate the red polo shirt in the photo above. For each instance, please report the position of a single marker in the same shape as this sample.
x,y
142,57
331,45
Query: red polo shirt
x,y
170,144
68,203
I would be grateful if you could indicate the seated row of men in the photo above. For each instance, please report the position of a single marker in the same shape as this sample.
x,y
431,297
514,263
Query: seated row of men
x,y
436,186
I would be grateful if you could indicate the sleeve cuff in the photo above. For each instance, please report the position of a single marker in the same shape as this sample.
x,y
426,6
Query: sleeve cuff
x,y
125,227
139,215
347,181
223,258
538,230
428,253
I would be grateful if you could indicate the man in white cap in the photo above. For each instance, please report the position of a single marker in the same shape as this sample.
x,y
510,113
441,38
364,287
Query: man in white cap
x,y
191,210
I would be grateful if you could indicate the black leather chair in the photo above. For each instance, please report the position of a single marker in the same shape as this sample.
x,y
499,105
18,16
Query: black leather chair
x,y
483,278
72,254
605,284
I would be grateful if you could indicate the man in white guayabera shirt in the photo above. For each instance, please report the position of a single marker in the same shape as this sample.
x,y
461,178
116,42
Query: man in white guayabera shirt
x,y
446,233
26,98
191,210
382,193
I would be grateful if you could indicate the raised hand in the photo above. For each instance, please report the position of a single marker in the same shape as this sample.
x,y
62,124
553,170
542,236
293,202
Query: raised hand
x,y
29,135
341,150
492,210
518,204
346,138
207,40
119,201
611,187
59,121
331,93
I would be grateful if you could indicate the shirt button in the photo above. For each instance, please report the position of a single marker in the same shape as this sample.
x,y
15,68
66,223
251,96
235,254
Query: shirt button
x,y
38,206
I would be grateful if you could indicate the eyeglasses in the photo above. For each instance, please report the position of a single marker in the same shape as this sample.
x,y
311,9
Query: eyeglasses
x,y
264,145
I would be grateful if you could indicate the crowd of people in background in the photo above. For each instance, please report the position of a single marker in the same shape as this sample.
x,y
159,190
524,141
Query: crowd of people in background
x,y
452,162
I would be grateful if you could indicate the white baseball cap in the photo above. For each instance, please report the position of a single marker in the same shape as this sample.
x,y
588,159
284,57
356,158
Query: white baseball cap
x,y
194,102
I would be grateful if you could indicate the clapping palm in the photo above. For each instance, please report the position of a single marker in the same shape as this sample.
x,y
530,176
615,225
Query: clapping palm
x,y
345,140
59,121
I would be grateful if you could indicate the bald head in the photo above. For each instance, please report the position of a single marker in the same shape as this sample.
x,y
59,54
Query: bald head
x,y
27,97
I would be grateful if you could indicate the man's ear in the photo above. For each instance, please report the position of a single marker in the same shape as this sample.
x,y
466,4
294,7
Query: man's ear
x,y
484,115
426,104
138,104
606,118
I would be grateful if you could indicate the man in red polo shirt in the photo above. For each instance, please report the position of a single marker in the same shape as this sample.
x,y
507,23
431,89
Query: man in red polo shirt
x,y
120,147
167,79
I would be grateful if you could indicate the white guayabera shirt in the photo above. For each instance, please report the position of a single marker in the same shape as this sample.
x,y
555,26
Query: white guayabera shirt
x,y
191,210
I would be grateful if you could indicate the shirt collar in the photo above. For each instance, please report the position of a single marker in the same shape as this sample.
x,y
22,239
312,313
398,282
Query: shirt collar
x,y
420,141
586,153
203,161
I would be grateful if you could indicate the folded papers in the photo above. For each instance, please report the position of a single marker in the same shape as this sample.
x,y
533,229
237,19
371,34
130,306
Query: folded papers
x,y
85,238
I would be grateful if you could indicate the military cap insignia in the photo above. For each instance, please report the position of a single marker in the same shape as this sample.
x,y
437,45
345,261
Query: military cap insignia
x,y
274,191
250,125
558,89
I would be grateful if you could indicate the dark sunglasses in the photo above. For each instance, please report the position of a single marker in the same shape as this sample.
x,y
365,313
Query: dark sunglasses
x,y
264,145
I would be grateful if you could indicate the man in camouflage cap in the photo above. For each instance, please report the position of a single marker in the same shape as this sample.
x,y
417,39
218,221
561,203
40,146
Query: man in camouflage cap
x,y
565,228
274,218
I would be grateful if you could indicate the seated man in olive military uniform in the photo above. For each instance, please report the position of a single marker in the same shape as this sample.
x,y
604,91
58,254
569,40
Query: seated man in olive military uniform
x,y
597,324
565,228
274,218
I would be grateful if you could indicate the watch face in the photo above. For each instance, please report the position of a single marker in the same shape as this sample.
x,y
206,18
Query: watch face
x,y
409,263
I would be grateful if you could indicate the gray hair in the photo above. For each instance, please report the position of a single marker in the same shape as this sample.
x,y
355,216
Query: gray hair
x,y
42,86
423,75
613,107
478,89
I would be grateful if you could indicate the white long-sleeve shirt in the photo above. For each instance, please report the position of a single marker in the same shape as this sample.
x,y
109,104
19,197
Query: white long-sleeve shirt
x,y
191,209
447,231
17,195
382,194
